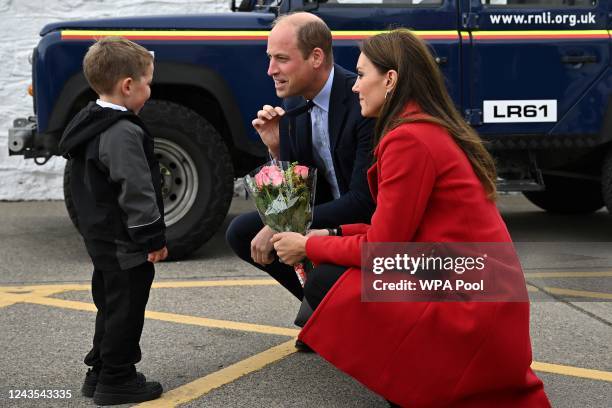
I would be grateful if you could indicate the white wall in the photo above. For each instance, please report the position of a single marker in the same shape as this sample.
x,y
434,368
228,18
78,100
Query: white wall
x,y
20,23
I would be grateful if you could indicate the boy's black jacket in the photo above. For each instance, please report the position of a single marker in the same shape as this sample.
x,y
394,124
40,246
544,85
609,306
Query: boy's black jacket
x,y
115,185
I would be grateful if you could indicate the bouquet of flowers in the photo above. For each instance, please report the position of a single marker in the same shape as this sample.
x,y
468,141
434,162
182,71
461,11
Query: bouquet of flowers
x,y
284,197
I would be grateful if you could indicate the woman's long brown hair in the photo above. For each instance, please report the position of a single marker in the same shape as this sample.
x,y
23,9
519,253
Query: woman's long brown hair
x,y
420,81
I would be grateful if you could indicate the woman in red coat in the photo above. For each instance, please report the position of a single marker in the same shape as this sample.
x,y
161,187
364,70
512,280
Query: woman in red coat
x,y
432,181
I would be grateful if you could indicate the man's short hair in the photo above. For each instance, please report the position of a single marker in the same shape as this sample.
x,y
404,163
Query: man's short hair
x,y
310,35
112,59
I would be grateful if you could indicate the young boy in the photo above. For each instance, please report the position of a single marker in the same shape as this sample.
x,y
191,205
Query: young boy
x,y
116,192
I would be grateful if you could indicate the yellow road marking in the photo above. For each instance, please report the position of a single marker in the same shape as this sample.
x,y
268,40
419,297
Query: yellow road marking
x,y
12,298
61,303
157,284
202,284
54,289
578,293
537,275
221,324
170,317
7,301
22,291
47,289
204,385
37,294
571,292
572,371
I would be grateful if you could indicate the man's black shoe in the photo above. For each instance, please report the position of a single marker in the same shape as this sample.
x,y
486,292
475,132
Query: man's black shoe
x,y
91,381
136,390
303,347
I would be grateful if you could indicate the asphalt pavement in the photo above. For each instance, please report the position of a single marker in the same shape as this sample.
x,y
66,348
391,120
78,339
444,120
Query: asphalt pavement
x,y
220,333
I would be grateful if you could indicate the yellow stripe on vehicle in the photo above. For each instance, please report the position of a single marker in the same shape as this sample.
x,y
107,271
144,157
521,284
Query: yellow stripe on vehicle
x,y
338,35
218,35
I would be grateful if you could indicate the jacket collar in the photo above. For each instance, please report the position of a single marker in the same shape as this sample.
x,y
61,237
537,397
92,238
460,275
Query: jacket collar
x,y
337,104
411,109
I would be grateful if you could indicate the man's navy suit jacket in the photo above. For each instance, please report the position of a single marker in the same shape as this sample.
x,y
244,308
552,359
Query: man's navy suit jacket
x,y
351,139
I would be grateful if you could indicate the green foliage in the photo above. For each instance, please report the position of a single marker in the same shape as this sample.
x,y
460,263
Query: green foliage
x,y
284,195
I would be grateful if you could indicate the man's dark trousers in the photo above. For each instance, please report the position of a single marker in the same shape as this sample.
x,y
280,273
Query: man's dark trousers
x,y
239,235
121,298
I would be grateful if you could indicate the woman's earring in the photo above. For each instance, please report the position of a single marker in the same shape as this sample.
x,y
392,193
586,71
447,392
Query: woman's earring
x,y
386,93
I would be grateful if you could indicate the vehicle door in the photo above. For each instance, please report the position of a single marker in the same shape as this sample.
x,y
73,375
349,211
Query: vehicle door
x,y
533,63
436,21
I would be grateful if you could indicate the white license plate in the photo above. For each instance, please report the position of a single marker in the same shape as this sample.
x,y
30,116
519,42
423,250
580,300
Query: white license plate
x,y
520,111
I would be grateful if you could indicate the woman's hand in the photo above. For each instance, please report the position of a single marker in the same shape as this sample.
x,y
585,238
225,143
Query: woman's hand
x,y
290,247
317,233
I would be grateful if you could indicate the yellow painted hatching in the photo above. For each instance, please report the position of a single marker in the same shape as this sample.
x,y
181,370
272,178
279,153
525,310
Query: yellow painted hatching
x,y
40,295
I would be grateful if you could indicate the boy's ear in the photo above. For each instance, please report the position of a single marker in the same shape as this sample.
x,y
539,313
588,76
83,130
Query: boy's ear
x,y
126,86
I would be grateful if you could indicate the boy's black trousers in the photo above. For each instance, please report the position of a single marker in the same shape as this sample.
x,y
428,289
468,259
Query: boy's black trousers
x,y
121,297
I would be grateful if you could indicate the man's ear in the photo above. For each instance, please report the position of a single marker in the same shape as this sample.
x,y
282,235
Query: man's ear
x,y
126,86
318,57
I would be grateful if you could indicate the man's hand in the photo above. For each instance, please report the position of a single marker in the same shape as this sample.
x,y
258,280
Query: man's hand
x,y
266,124
261,247
158,255
290,247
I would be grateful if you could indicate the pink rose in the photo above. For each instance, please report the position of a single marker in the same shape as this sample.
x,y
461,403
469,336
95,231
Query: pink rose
x,y
301,171
269,175
276,175
259,179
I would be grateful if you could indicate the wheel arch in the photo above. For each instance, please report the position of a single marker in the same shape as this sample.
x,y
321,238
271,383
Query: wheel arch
x,y
197,88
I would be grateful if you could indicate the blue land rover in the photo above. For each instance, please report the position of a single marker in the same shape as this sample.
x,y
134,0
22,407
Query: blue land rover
x,y
532,77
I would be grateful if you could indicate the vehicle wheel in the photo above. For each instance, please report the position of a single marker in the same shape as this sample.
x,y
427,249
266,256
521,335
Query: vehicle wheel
x,y
68,195
566,195
197,174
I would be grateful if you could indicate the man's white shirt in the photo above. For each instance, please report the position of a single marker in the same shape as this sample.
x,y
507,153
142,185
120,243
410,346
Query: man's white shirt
x,y
321,148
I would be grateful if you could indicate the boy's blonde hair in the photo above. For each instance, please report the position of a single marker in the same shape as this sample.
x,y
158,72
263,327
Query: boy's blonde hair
x,y
112,59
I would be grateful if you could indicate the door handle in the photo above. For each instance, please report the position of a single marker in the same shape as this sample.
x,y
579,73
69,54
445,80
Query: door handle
x,y
578,59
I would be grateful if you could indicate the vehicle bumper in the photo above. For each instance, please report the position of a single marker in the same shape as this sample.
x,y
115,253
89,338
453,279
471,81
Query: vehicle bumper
x,y
21,136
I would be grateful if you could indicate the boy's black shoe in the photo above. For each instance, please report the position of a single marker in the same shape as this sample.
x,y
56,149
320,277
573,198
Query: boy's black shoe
x,y
91,381
136,390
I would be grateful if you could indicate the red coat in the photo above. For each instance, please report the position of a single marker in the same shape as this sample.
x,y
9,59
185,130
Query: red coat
x,y
427,354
